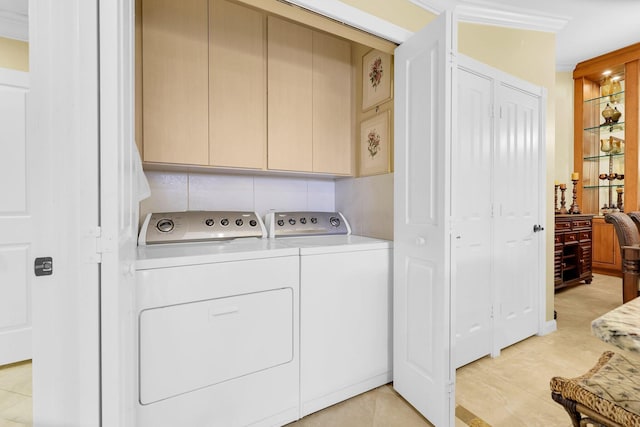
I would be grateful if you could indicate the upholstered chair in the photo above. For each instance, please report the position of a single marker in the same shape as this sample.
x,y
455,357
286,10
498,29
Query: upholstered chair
x,y
629,239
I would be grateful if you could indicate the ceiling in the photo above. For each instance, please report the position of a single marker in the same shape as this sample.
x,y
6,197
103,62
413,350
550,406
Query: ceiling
x,y
584,28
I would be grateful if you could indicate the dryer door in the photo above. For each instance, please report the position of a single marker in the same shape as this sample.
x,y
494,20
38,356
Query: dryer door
x,y
186,347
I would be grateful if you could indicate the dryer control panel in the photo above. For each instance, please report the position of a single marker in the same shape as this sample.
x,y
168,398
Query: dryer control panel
x,y
199,226
289,224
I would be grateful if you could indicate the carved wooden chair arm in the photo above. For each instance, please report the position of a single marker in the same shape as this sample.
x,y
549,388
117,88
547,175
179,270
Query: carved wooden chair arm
x,y
631,253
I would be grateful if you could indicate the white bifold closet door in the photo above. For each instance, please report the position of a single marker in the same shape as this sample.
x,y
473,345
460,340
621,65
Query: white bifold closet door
x,y
495,204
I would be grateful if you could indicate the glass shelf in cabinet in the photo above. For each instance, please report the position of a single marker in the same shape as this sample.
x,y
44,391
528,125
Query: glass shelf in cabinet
x,y
602,156
603,186
616,98
607,128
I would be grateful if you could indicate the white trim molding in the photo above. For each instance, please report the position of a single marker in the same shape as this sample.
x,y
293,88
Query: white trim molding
x,y
505,18
356,18
488,13
14,25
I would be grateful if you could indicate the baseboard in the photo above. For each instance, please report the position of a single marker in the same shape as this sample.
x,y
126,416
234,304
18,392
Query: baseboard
x,y
549,327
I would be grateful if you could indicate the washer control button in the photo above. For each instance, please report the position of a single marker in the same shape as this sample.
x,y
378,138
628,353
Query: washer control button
x,y
208,222
253,223
292,221
165,225
334,221
239,222
280,222
224,222
314,220
303,220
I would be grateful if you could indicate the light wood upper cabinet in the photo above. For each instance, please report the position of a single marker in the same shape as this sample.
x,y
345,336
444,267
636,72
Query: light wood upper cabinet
x,y
290,89
227,85
175,79
237,86
332,106
309,86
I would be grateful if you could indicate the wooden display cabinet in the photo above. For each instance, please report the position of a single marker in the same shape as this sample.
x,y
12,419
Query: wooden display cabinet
x,y
606,147
572,250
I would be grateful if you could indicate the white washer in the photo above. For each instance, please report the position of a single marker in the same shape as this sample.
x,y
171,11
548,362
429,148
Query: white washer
x,y
218,329
345,306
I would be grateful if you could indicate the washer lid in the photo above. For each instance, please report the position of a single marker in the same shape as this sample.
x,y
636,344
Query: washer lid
x,y
199,226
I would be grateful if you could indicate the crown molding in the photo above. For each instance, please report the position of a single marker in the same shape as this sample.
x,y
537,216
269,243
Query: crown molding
x,y
505,18
485,12
14,25
354,17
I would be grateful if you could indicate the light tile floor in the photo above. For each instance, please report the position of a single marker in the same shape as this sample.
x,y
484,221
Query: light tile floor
x,y
511,390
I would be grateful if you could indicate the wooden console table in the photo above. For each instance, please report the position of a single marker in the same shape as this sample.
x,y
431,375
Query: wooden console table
x,y
572,250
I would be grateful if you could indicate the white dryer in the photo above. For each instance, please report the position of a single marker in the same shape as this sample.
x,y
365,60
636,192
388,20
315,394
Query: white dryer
x,y
218,310
345,306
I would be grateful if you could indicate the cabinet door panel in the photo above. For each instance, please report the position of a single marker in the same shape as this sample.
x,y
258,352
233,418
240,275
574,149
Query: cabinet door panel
x,y
175,81
332,106
238,89
289,68
605,249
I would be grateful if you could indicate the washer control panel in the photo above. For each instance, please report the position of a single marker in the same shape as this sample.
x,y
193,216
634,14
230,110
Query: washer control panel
x,y
289,224
199,226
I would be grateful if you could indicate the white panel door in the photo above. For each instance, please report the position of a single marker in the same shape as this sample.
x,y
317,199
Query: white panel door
x,y
16,220
423,372
517,209
471,195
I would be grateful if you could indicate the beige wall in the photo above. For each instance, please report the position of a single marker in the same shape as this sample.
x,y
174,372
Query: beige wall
x,y
14,54
399,12
564,126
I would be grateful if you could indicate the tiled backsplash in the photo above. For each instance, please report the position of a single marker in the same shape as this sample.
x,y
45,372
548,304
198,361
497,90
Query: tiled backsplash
x,y
181,191
366,202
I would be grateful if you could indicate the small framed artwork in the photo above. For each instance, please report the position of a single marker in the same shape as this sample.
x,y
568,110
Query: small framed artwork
x,y
374,145
376,79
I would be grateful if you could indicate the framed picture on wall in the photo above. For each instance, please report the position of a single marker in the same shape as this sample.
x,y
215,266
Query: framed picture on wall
x,y
374,145
376,79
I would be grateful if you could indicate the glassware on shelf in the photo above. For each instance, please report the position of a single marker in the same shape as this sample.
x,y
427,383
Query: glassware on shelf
x,y
615,91
605,87
607,113
616,145
615,116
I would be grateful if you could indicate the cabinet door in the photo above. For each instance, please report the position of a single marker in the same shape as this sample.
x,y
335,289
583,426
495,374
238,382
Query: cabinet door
x,y
238,88
332,106
289,68
606,250
175,81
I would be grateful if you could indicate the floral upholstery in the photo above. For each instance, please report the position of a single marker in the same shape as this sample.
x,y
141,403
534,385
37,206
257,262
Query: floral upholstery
x,y
611,388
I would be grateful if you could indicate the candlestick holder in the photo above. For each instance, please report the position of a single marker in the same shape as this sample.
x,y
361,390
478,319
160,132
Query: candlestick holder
x,y
563,209
619,201
555,199
574,209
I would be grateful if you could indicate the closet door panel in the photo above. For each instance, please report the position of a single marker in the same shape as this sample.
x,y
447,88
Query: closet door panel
x,y
471,211
516,211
